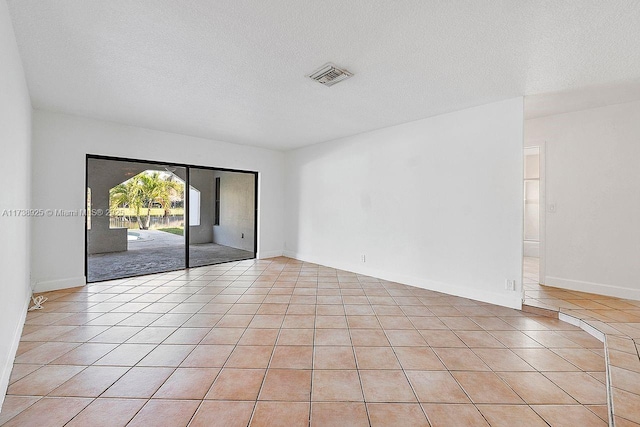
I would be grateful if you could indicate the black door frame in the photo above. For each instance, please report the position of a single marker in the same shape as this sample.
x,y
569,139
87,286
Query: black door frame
x,y
186,202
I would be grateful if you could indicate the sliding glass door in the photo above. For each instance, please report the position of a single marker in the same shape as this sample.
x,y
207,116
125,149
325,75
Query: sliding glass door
x,y
135,218
140,217
221,216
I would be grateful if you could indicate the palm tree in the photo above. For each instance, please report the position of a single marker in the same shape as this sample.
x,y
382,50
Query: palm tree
x,y
142,191
126,195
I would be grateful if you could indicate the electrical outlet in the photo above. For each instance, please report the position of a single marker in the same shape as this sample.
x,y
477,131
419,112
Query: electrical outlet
x,y
510,285
363,258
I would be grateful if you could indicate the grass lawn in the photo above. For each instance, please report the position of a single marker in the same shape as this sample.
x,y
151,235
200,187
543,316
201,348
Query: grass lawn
x,y
173,230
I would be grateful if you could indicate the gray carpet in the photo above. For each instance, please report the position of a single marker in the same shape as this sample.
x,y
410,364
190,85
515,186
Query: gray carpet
x,y
158,252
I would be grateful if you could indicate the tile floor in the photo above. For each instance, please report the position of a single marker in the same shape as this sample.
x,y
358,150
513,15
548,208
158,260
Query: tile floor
x,y
616,319
281,342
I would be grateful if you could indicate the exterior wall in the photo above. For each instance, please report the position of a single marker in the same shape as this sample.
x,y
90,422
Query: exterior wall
x,y
237,211
204,181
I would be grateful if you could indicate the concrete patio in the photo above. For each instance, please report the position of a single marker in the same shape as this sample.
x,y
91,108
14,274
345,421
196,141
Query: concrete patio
x,y
157,251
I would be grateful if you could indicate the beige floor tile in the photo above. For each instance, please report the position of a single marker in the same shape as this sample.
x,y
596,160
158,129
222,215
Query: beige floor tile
x,y
151,335
581,386
376,358
363,322
81,334
511,415
436,387
460,359
442,338
453,415
219,335
568,416
332,337
460,323
479,339
585,340
327,357
167,355
281,414
296,337
543,359
13,405
536,389
208,356
626,405
195,336
582,358
358,310
516,339
386,386
45,353
336,386
552,339
49,411
396,414
249,357
116,334
405,338
91,382
339,414
158,412
418,358
20,371
126,355
237,384
187,383
108,413
622,422
44,380
299,321
292,357
139,382
486,387
25,346
502,359
369,338
395,322
259,337
292,385
186,335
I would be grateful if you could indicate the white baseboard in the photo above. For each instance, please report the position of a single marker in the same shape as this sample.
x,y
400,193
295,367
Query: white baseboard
x,y
508,299
54,285
269,254
575,321
591,287
13,349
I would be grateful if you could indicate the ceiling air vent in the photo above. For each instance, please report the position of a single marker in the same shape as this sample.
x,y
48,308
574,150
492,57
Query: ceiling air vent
x,y
329,74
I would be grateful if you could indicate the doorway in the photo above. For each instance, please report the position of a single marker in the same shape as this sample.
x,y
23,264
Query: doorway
x,y
533,230
141,219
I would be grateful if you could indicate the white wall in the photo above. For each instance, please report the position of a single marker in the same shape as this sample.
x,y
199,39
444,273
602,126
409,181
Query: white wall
x,y
203,181
237,210
435,203
15,164
593,179
60,143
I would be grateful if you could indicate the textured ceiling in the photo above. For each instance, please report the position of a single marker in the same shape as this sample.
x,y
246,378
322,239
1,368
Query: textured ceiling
x,y
234,70
583,98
